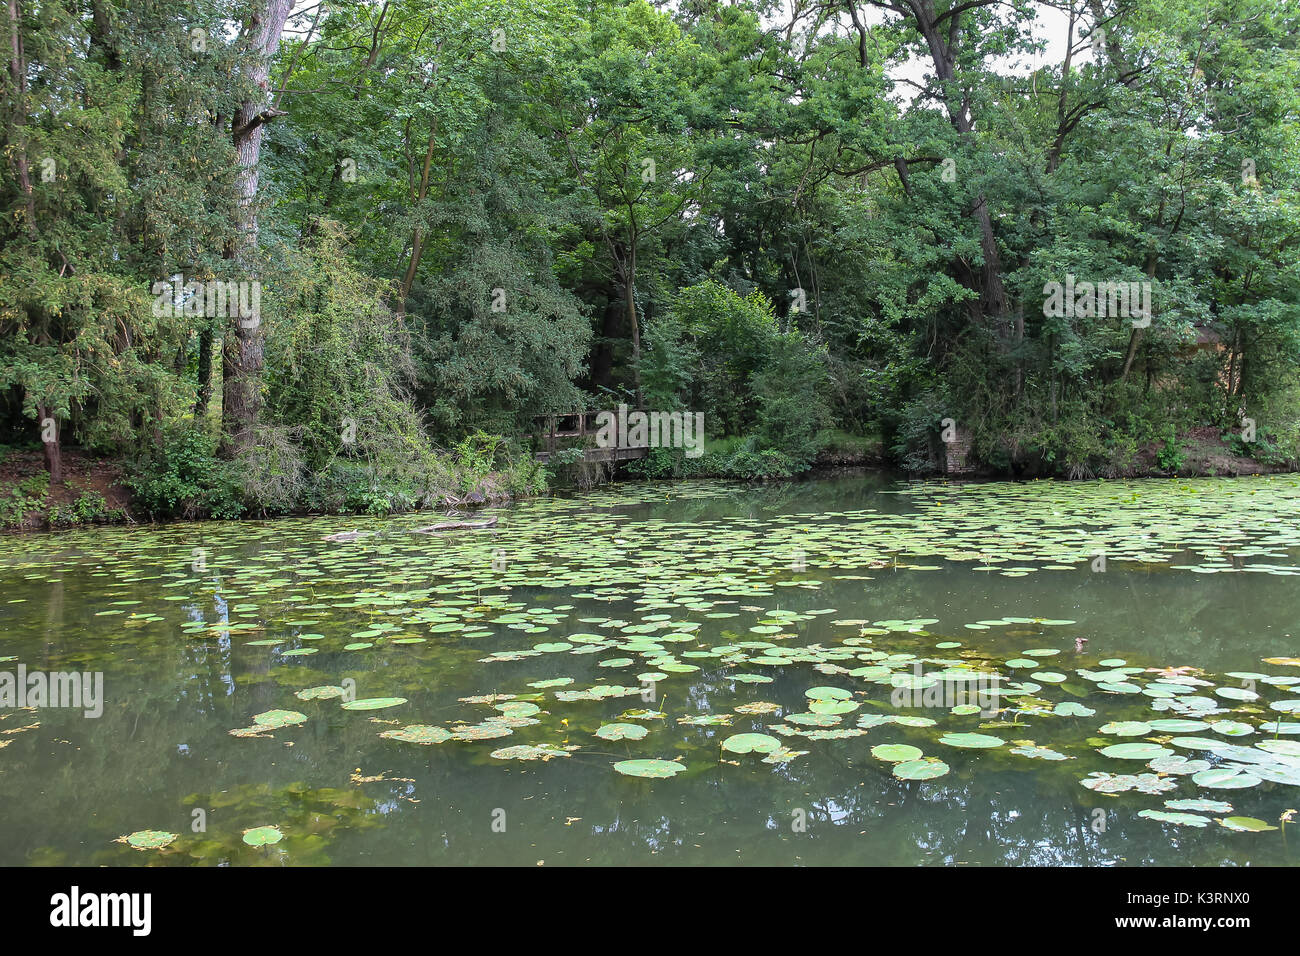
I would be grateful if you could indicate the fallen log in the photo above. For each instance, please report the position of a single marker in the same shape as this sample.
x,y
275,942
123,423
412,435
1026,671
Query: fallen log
x,y
456,526
345,536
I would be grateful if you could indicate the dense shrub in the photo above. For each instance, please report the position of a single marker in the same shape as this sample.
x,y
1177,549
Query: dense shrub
x,y
183,477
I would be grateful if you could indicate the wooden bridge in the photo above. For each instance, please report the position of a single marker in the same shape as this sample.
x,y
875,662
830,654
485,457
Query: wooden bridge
x,y
578,425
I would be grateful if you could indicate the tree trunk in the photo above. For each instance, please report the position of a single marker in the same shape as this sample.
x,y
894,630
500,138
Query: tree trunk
x,y
49,426
204,394
629,294
242,354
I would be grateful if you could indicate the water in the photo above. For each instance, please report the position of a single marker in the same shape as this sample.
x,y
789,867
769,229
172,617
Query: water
x,y
168,615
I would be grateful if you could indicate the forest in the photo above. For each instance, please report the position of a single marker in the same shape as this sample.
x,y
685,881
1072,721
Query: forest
x,y
263,257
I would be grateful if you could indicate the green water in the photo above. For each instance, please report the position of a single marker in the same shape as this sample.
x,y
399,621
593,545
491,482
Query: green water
x,y
797,585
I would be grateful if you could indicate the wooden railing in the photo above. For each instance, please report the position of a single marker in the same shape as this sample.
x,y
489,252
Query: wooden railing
x,y
578,425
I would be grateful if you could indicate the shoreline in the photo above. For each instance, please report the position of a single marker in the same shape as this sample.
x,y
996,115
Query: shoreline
x,y
829,468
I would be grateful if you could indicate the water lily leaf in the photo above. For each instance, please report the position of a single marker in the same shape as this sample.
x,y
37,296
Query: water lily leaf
x,y
1180,819
1178,764
750,743
1177,726
1225,778
621,732
1134,751
814,720
828,693
1069,708
324,692
1290,748
926,768
279,718
896,753
1039,753
906,720
263,836
419,734
1201,806
1236,693
1231,728
832,706
374,703
1126,728
541,752
483,731
648,768
148,839
975,741
517,708
1245,824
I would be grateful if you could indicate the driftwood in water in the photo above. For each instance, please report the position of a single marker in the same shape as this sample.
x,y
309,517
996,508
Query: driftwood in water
x,y
345,536
457,526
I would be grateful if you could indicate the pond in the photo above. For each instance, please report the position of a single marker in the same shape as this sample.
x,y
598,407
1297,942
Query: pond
x,y
845,671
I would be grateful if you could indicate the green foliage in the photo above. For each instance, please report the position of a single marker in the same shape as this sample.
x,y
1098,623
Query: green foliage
x,y
182,477
24,498
722,208
1171,456
793,415
731,337
741,457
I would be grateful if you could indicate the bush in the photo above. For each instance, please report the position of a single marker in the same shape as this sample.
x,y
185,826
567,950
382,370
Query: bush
x,y
24,498
790,389
1171,457
183,478
740,457
90,507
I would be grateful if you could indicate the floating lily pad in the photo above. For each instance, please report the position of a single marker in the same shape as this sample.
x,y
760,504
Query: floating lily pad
x,y
1201,806
750,743
1225,778
896,753
926,768
419,734
279,718
263,836
621,732
541,752
1069,708
1180,819
324,692
648,768
1134,751
374,703
148,839
1245,824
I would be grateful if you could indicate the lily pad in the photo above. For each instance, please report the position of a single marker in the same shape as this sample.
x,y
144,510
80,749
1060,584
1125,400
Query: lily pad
x,y
279,718
148,839
374,703
750,743
648,768
419,734
263,836
621,732
896,753
926,768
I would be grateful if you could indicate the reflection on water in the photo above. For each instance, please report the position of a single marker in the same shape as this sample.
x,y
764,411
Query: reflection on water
x,y
195,628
